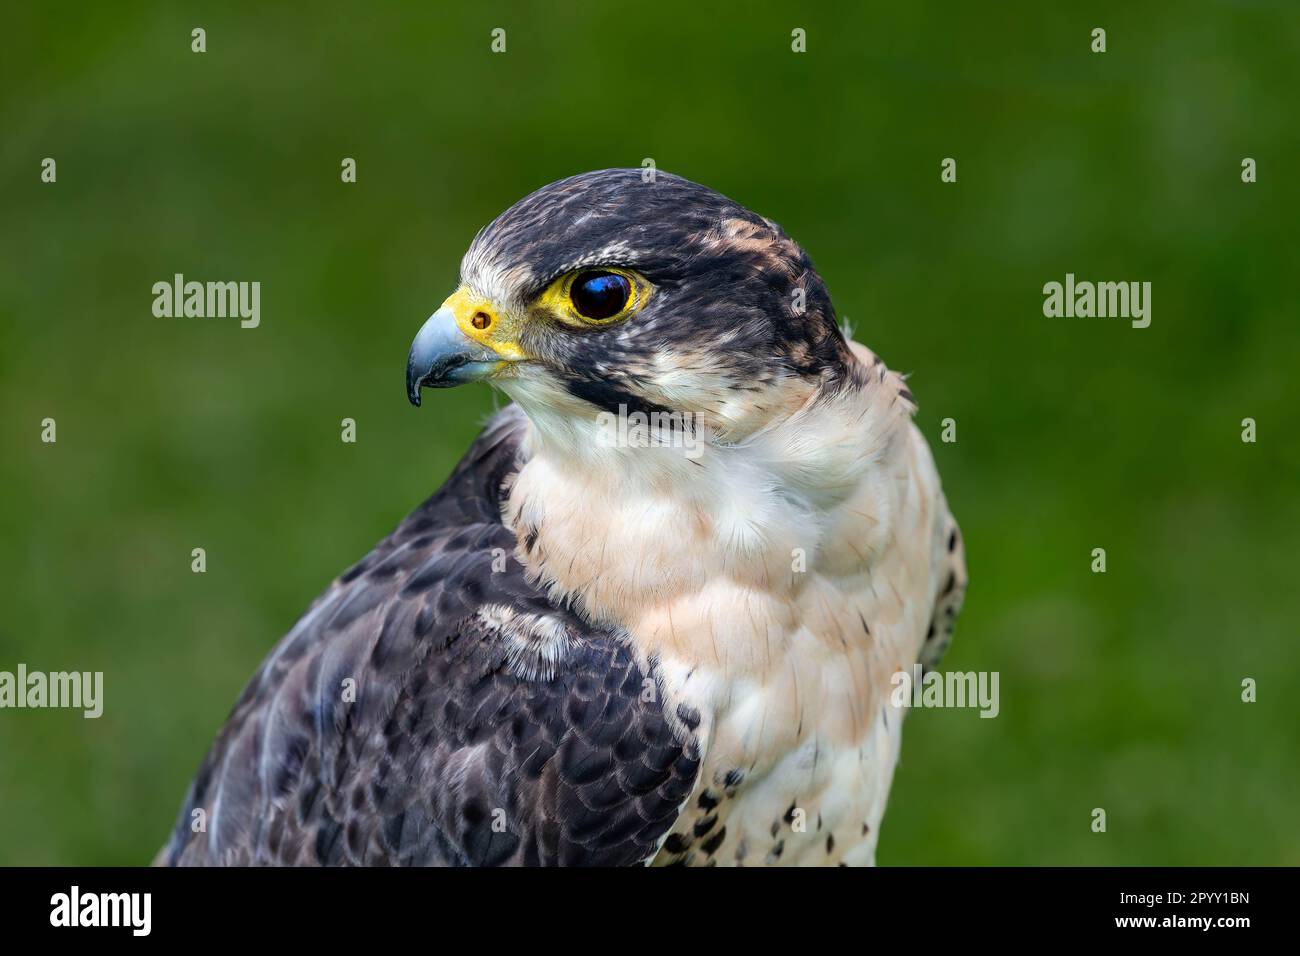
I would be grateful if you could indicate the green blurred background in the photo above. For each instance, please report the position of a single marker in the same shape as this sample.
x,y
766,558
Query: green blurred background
x,y
1119,690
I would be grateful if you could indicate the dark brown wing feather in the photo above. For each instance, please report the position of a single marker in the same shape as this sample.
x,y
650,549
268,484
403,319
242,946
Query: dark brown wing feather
x,y
943,621
450,754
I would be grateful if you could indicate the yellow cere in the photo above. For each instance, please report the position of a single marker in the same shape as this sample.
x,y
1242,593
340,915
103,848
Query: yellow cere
x,y
483,322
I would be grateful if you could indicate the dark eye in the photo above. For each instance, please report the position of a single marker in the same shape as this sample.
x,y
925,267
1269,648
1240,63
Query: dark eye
x,y
600,295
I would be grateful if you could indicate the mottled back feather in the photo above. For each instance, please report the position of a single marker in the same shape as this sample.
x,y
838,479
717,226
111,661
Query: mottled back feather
x,y
489,726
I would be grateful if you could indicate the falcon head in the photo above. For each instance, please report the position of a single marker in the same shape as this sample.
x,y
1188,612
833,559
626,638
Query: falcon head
x,y
609,292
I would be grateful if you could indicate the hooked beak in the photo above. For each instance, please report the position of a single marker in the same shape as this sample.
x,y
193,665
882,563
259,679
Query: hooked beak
x,y
442,356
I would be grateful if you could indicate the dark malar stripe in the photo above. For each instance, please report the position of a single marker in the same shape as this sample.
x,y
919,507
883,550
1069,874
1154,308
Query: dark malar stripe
x,y
609,398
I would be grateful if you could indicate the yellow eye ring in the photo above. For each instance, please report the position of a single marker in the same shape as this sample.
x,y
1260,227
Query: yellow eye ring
x,y
600,295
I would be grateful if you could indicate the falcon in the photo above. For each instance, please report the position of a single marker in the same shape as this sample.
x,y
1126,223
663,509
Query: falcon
x,y
653,614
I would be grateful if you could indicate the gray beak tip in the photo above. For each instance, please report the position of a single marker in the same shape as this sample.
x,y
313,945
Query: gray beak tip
x,y
442,356
413,383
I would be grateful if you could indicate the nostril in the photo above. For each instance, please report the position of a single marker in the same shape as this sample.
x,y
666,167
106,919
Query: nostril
x,y
481,320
